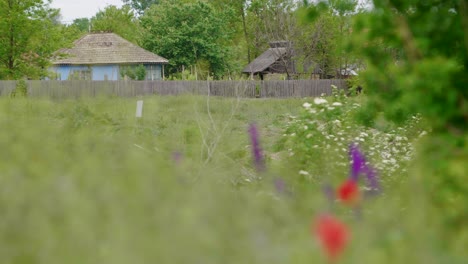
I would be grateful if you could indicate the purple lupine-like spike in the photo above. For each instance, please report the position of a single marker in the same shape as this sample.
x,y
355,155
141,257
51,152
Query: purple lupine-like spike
x,y
177,156
280,185
359,166
358,161
372,180
256,149
329,194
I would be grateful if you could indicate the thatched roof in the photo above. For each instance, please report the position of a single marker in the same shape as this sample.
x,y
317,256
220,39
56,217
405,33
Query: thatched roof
x,y
105,48
264,61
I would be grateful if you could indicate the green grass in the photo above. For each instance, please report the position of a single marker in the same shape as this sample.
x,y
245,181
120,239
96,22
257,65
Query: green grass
x,y
86,182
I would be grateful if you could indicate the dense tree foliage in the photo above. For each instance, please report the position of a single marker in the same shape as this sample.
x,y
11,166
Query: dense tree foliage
x,y
82,24
29,34
140,5
118,20
417,59
430,77
189,34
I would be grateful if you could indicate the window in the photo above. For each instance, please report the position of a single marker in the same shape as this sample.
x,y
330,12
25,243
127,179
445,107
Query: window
x,y
80,74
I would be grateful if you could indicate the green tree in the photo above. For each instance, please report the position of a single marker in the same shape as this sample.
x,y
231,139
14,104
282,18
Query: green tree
x,y
417,61
82,24
327,39
118,20
29,34
140,6
189,34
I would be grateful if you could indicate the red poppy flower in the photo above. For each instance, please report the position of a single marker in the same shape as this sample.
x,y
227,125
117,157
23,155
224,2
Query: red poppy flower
x,y
348,192
332,234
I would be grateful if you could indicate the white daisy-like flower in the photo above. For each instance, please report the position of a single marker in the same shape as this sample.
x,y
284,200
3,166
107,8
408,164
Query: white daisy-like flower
x,y
319,101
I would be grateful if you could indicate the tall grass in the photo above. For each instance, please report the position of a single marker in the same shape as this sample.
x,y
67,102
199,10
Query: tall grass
x,y
86,182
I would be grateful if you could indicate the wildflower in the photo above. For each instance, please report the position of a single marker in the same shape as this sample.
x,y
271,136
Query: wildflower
x,y
358,161
256,149
280,185
329,193
177,156
337,104
303,172
372,180
348,192
359,165
307,105
332,234
319,101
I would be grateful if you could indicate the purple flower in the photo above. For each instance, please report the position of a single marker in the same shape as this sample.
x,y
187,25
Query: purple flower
x,y
372,181
256,149
359,166
358,161
280,185
329,194
177,156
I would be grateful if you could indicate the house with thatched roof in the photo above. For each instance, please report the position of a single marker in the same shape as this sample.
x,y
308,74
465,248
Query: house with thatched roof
x,y
276,59
106,56
279,61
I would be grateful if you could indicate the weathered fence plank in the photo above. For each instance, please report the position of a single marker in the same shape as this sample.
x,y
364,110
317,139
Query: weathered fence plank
x,y
244,88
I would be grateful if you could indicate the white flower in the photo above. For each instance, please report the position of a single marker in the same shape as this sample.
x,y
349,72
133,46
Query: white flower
x,y
303,172
319,101
306,105
306,127
309,136
334,86
312,111
337,104
331,108
423,134
293,135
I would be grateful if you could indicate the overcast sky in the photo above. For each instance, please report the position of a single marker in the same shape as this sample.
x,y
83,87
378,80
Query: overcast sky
x,y
71,9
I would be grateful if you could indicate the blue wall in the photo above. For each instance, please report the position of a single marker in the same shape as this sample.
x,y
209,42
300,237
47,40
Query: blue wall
x,y
102,72
105,72
63,71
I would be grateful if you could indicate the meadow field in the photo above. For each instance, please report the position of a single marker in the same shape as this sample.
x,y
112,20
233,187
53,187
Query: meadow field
x,y
85,181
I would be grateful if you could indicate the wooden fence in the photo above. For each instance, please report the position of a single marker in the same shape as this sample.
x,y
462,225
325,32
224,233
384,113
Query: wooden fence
x,y
248,89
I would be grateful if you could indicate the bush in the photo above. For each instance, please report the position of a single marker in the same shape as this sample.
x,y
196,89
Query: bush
x,y
21,89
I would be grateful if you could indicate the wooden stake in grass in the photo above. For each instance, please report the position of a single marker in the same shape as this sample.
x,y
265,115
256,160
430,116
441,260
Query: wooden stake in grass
x,y
139,109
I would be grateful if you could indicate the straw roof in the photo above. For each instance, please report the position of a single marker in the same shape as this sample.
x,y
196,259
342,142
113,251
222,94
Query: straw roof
x,y
106,48
264,61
